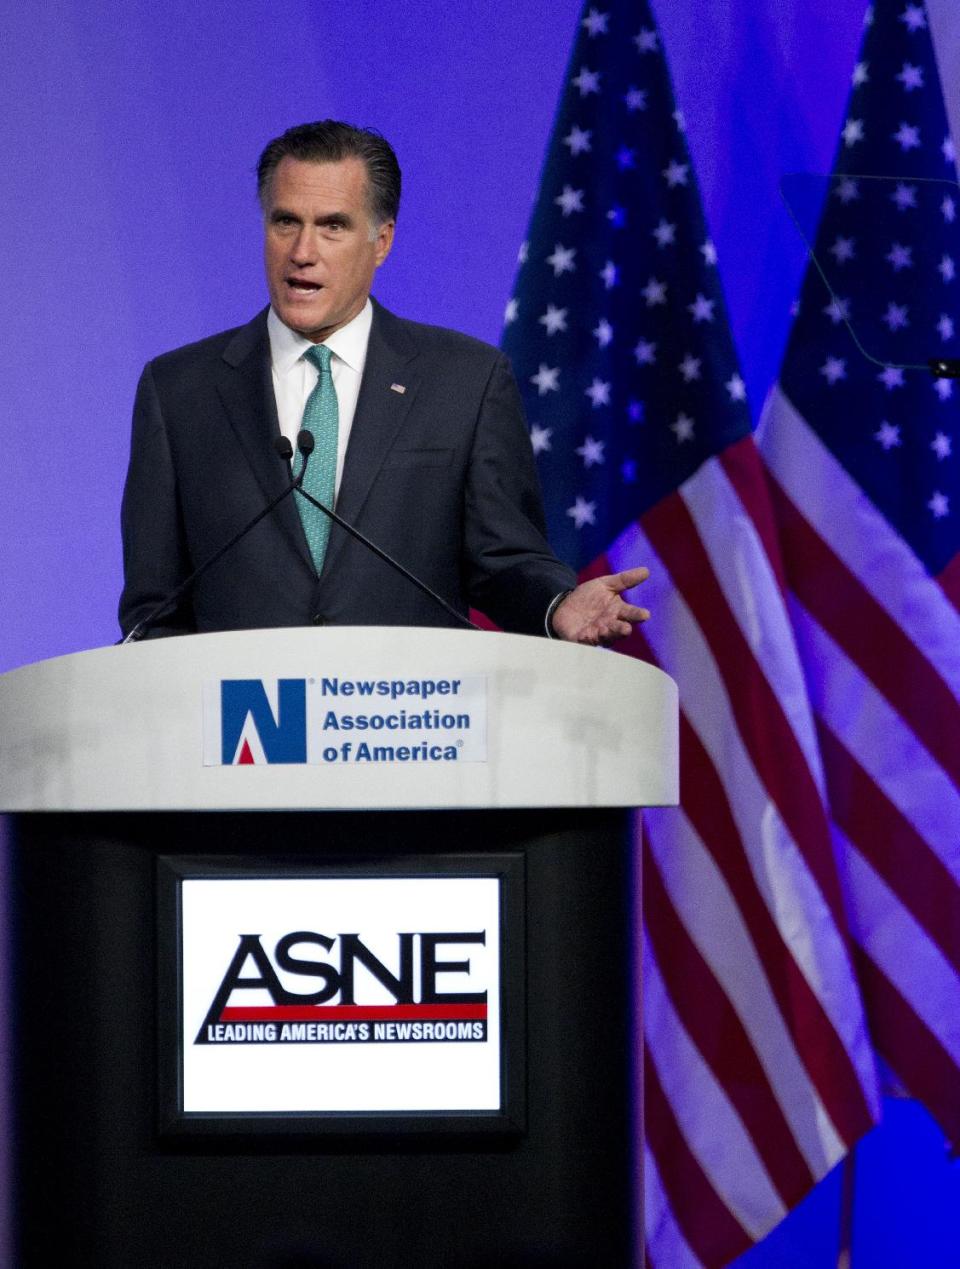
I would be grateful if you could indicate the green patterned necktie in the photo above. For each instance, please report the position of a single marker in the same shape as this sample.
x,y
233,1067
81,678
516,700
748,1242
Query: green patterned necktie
x,y
321,417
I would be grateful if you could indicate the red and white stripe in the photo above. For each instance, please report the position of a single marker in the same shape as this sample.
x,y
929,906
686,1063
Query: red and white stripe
x,y
880,643
759,1068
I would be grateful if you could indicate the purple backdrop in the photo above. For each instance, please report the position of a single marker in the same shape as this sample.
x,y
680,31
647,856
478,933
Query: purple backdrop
x,y
128,223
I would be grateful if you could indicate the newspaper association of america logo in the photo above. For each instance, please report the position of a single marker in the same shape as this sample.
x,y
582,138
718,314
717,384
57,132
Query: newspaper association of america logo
x,y
341,969
331,718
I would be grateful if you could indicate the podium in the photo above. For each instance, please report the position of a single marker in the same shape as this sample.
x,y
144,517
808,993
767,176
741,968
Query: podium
x,y
324,949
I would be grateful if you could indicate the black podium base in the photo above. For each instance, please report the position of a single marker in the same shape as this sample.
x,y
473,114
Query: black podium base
x,y
96,1185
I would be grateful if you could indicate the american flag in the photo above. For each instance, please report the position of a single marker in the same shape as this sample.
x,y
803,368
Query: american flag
x,y
865,473
759,1073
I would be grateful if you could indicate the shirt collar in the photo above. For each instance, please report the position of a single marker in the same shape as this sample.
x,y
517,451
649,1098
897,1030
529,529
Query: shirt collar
x,y
349,343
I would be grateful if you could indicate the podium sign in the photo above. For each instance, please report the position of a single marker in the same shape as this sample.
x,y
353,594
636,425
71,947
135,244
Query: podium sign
x,y
341,998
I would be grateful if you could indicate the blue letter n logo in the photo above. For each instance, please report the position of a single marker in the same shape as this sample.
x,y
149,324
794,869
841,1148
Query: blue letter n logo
x,y
250,730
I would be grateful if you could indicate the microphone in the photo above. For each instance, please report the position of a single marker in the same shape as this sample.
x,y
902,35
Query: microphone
x,y
285,450
305,444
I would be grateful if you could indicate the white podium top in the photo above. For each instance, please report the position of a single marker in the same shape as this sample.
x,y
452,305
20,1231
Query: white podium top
x,y
376,717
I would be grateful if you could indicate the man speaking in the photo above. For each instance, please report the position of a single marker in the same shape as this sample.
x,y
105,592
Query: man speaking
x,y
418,441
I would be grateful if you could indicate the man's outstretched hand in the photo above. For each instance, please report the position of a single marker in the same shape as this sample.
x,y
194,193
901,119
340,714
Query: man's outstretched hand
x,y
595,612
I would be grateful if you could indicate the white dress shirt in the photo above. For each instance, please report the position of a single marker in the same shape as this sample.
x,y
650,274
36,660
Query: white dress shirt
x,y
294,378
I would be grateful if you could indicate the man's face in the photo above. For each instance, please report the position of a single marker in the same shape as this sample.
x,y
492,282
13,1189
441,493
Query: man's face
x,y
319,254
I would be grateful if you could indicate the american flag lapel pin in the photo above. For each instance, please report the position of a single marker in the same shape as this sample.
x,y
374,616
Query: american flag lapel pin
x,y
398,387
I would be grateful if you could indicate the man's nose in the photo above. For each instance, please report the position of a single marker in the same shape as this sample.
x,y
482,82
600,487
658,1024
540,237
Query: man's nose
x,y
305,246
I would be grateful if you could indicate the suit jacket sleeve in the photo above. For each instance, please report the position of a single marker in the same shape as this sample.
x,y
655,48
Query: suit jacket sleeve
x,y
155,559
512,573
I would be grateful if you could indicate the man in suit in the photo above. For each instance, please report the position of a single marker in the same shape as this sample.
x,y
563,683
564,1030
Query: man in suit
x,y
420,441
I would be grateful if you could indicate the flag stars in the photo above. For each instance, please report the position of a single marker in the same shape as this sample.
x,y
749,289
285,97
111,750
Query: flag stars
x,y
523,252
888,435
690,368
949,150
603,332
546,379
596,23
947,268
582,512
945,327
610,275
838,310
587,81
570,200
554,319
948,209
904,196
907,136
943,388
911,77
852,132
676,173
645,353
900,257
736,387
896,316
540,438
939,504
665,234
914,17
562,260
834,369
591,452
635,99
655,293
701,309
891,377
861,74
626,159
683,428
510,312
847,190
941,446
617,217
598,392
679,120
843,250
709,252
646,41
578,140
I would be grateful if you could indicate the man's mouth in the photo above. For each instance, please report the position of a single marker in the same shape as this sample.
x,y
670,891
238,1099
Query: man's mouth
x,y
303,287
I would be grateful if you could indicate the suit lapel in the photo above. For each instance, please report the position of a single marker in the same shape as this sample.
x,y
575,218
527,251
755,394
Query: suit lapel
x,y
380,414
245,387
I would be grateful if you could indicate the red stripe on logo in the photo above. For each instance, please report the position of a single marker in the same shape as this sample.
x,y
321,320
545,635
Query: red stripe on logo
x,y
353,1013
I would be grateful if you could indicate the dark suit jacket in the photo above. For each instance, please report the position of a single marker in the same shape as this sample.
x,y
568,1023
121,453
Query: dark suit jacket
x,y
440,475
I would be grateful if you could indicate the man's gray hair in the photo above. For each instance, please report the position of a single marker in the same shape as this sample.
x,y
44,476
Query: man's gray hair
x,y
329,141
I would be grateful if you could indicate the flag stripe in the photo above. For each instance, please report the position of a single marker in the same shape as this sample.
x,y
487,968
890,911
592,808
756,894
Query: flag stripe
x,y
862,539
706,1223
715,1029
727,529
902,950
821,1049
876,736
790,893
771,744
910,1048
660,1223
866,632
888,840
